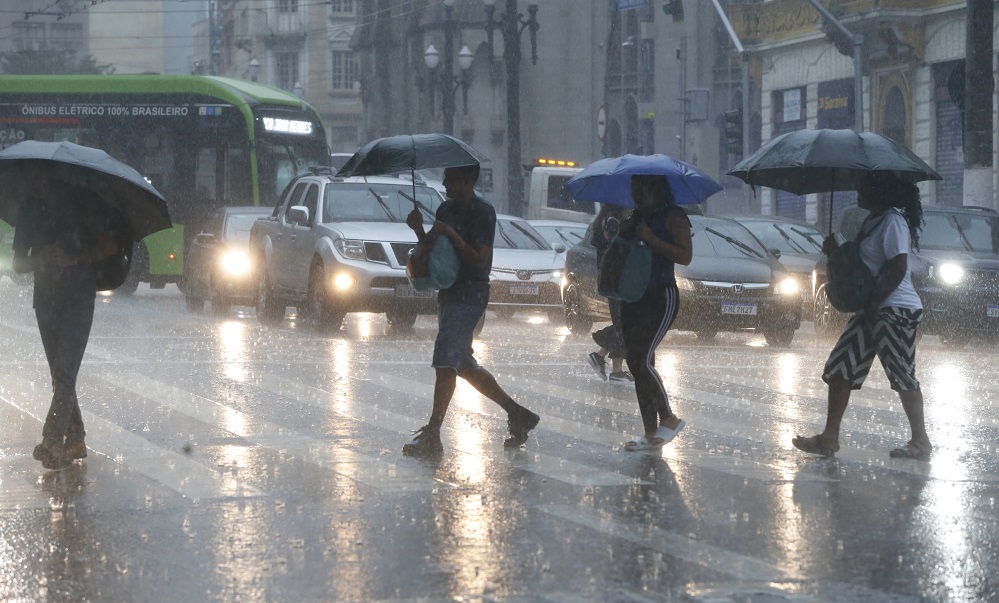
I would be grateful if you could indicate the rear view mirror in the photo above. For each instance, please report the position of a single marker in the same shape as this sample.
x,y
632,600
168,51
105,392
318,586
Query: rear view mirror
x,y
206,238
559,248
775,252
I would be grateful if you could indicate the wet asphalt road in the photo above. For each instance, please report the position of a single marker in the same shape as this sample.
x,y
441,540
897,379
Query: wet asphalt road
x,y
235,462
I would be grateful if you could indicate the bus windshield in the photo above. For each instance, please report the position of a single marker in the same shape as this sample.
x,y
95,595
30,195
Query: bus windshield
x,y
279,160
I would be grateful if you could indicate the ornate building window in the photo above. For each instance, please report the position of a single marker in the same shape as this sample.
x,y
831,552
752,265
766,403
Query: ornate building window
x,y
345,71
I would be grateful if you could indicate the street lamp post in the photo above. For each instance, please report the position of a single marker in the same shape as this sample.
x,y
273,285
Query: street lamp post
x,y
447,82
511,25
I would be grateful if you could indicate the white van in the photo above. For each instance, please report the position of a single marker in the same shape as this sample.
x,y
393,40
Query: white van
x,y
549,200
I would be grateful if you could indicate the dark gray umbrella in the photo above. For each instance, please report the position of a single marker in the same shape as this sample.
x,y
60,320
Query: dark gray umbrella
x,y
410,152
814,161
116,183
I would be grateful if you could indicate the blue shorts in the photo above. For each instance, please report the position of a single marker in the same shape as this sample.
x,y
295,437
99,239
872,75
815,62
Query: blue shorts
x,y
455,329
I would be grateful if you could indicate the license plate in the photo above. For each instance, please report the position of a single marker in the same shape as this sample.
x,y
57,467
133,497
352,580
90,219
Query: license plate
x,y
992,311
525,289
408,291
739,309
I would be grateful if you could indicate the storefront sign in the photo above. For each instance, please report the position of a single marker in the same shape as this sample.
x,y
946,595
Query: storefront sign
x,y
835,104
792,104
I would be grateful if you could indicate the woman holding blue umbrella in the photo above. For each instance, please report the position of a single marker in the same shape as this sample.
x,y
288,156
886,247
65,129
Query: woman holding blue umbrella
x,y
660,223
656,184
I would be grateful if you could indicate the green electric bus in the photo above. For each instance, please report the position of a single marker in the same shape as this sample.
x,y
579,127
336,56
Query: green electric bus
x,y
203,142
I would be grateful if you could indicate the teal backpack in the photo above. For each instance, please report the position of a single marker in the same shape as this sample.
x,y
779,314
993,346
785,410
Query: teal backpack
x,y
433,264
625,270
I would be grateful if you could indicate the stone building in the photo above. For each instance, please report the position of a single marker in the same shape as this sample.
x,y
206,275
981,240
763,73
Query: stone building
x,y
913,57
42,25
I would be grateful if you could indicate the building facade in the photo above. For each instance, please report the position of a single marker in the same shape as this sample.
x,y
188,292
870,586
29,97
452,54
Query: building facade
x,y
912,67
551,109
43,25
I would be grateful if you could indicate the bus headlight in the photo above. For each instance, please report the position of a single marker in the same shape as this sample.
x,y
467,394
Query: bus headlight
x,y
352,249
787,286
343,281
950,274
236,263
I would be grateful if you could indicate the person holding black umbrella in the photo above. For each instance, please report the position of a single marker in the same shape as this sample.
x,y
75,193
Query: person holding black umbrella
x,y
470,224
665,228
887,326
62,231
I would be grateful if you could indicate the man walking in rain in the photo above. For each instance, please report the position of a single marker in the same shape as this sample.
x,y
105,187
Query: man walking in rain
x,y
61,233
470,223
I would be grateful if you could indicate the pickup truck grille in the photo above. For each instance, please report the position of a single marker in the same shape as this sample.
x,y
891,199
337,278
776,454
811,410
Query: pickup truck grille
x,y
375,252
401,251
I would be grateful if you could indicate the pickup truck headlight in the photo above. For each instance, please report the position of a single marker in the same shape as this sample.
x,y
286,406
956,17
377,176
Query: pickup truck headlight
x,y
352,249
947,273
236,263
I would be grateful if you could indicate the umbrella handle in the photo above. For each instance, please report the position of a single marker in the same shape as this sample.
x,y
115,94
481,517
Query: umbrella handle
x,y
832,193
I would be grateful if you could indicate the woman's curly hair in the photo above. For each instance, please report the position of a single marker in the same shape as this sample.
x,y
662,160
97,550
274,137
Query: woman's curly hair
x,y
904,196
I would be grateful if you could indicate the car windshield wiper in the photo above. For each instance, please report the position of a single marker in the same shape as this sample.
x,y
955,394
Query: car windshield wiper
x,y
746,249
507,239
787,238
419,204
384,205
809,236
960,231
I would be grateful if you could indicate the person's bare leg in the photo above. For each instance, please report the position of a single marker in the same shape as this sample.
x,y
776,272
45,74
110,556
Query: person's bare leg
x,y
484,383
828,441
447,380
912,403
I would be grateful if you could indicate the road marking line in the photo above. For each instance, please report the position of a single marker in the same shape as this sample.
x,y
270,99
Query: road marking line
x,y
377,473
174,470
680,547
542,464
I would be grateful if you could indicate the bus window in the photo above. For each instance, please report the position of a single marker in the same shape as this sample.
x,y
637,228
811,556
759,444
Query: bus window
x,y
238,181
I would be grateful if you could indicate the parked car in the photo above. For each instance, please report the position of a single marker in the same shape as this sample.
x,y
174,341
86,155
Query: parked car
x,y
733,283
526,270
336,245
797,244
218,261
955,271
560,232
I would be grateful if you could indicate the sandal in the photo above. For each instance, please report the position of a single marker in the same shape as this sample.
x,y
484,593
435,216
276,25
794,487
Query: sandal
x,y
664,435
812,445
643,443
912,451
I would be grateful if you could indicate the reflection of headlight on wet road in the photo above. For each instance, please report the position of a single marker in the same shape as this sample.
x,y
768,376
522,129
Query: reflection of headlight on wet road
x,y
950,274
236,263
787,286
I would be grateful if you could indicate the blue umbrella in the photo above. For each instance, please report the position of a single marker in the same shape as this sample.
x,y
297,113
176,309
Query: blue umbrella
x,y
609,180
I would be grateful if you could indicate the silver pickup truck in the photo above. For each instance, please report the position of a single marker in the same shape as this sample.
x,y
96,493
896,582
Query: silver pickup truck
x,y
338,245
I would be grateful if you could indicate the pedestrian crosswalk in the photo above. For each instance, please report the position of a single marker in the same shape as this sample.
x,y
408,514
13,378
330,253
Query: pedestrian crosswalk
x,y
213,443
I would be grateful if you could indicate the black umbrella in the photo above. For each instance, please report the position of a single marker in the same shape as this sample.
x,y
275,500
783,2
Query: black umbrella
x,y
813,161
116,183
410,152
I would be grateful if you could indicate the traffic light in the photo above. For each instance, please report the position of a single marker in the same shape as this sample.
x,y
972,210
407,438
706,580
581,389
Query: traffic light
x,y
733,131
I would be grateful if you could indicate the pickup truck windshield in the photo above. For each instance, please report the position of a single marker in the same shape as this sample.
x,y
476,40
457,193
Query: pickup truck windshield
x,y
367,202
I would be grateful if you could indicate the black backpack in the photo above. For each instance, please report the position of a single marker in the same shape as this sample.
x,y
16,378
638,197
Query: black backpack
x,y
850,282
112,271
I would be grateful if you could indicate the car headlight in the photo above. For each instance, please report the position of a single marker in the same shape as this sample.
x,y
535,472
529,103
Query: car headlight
x,y
948,274
236,263
556,275
352,249
787,286
343,281
684,284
